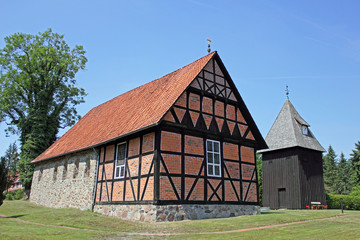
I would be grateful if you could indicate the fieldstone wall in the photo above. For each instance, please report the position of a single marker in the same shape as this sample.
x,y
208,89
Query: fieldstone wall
x,y
66,181
159,213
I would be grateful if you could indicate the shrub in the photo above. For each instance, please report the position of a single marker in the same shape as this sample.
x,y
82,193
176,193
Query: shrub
x,y
349,202
15,195
355,191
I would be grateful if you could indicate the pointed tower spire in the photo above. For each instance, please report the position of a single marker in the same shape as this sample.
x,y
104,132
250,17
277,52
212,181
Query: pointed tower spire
x,y
291,130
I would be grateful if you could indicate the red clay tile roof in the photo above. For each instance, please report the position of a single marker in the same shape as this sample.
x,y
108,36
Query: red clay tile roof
x,y
139,108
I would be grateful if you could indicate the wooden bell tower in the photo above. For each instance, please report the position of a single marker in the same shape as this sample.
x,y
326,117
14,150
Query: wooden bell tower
x,y
292,166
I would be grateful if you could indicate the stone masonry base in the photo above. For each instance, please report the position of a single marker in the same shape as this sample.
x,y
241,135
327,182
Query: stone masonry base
x,y
159,213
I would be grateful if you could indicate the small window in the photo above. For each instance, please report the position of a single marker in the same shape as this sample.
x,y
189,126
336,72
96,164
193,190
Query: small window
x,y
76,168
65,170
213,158
120,160
87,167
40,173
304,129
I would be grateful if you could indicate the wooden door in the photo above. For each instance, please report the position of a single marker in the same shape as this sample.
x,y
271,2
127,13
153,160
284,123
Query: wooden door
x,y
282,197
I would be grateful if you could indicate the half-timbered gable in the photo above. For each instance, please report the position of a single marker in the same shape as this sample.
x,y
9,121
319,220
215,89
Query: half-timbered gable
x,y
207,146
186,138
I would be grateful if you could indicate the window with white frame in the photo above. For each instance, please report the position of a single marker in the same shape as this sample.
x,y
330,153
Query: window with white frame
x,y
120,160
213,158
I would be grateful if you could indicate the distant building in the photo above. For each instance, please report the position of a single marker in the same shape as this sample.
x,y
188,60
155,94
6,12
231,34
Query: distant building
x,y
15,183
180,147
292,166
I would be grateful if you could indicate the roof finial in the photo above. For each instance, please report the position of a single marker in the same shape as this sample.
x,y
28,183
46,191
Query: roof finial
x,y
287,92
209,41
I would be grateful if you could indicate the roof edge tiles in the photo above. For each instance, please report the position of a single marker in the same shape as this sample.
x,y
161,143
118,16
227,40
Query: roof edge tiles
x,y
123,115
96,145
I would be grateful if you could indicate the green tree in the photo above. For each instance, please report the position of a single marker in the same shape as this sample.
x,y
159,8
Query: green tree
x,y
259,176
11,162
343,176
330,172
38,91
3,179
355,164
12,157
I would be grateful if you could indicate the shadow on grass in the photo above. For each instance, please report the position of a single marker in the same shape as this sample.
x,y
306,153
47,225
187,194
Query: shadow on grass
x,y
272,212
16,216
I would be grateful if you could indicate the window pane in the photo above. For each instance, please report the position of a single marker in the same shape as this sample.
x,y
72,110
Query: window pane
x,y
210,158
117,172
210,170
217,170
209,145
120,162
216,147
217,158
121,151
122,173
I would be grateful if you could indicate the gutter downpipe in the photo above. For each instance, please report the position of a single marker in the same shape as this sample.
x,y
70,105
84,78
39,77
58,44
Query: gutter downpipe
x,y
96,178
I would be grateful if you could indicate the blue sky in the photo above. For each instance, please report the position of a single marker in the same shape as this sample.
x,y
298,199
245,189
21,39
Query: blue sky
x,y
311,46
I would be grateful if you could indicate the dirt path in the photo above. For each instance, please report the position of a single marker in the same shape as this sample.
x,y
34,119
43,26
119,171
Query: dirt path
x,y
170,234
278,225
243,229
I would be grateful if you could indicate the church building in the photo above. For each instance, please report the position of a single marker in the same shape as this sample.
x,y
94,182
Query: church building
x,y
180,147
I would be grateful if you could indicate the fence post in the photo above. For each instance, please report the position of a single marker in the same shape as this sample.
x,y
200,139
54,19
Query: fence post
x,y
341,203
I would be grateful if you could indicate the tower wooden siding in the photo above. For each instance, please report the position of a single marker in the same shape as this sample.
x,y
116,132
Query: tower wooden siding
x,y
311,177
297,170
281,171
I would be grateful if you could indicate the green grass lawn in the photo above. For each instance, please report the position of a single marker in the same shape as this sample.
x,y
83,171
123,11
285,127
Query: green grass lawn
x,y
319,224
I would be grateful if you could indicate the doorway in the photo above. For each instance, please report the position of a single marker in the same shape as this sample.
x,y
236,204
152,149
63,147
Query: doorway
x,y
282,197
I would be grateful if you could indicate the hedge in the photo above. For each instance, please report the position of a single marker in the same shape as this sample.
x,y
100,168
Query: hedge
x,y
349,202
15,195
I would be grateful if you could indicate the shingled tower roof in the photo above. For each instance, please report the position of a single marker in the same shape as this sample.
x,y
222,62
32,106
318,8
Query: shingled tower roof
x,y
287,131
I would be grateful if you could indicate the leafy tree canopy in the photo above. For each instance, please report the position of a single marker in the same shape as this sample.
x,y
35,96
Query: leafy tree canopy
x,y
38,91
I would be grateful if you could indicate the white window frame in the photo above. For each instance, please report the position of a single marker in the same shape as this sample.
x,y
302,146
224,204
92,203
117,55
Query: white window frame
x,y
211,164
120,166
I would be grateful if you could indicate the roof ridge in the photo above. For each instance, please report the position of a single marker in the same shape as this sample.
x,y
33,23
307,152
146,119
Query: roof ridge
x,y
128,112
197,60
152,82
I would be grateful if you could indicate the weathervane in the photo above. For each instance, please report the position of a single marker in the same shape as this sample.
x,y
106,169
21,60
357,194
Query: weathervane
x,y
209,41
287,92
